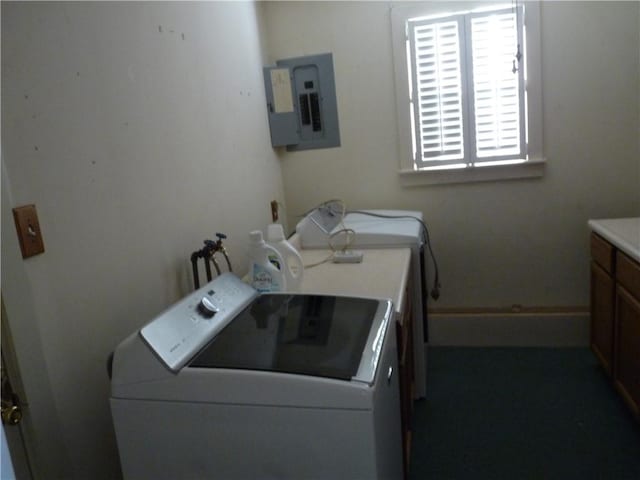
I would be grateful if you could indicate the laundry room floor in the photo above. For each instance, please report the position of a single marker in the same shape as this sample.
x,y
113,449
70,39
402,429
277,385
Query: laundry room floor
x,y
521,413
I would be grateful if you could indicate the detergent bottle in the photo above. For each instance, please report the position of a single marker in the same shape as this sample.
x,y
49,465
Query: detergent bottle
x,y
291,264
265,276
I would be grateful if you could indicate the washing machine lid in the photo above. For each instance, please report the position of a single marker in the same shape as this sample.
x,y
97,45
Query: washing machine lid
x,y
317,335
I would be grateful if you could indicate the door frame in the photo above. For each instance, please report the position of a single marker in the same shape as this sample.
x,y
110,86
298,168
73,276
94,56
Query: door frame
x,y
44,439
16,436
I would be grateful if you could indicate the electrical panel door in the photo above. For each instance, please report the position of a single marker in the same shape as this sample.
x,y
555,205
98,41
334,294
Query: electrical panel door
x,y
301,103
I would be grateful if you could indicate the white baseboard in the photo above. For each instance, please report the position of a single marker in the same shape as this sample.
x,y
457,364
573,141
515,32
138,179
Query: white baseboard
x,y
562,329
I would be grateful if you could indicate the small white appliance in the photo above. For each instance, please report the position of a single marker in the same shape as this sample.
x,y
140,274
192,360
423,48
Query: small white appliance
x,y
231,384
321,228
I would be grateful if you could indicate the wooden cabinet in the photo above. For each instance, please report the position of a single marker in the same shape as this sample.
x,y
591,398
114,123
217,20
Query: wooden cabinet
x,y
404,328
615,317
626,372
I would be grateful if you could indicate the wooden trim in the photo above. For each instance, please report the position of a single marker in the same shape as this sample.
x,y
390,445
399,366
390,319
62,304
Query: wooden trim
x,y
508,329
513,310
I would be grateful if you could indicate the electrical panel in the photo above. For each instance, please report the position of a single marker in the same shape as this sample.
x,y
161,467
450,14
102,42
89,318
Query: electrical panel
x,y
301,103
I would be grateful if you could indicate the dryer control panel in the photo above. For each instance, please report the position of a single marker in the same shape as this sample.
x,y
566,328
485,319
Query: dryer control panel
x,y
185,328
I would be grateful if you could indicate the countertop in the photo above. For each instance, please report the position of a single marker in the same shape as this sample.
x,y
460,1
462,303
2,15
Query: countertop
x,y
624,233
383,273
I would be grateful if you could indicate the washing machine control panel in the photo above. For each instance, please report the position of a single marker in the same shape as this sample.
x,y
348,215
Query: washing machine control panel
x,y
185,328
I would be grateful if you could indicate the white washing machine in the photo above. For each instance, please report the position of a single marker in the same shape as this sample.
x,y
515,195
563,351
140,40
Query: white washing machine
x,y
380,229
230,384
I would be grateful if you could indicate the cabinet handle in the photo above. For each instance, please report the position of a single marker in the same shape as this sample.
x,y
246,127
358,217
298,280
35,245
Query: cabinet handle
x,y
389,375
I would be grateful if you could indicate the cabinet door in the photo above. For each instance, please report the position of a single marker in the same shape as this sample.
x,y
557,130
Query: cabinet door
x,y
602,304
405,363
627,364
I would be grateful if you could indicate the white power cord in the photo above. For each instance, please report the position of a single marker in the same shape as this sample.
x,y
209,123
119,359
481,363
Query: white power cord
x,y
350,234
332,241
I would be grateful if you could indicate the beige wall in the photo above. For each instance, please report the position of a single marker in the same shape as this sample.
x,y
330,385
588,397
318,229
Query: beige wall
x,y
497,243
138,130
135,144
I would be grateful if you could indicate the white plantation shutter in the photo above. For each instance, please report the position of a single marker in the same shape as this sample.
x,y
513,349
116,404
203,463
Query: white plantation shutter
x,y
497,95
467,104
438,91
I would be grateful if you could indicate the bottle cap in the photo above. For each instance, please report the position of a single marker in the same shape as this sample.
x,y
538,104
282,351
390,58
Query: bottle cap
x,y
255,236
275,232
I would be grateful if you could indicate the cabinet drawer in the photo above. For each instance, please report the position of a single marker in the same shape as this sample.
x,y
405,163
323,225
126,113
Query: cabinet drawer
x,y
628,274
602,252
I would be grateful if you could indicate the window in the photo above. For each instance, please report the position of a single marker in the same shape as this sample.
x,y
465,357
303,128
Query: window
x,y
468,101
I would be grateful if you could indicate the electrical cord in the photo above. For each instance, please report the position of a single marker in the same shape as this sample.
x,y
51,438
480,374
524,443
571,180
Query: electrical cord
x,y
311,265
329,206
435,291
349,234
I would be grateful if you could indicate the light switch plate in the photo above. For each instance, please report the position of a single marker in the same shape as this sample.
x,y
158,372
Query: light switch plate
x,y
28,227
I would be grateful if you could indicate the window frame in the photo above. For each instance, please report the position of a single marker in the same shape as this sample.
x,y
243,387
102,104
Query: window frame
x,y
533,164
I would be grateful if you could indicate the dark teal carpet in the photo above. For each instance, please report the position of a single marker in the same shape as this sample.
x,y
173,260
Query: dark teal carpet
x,y
521,413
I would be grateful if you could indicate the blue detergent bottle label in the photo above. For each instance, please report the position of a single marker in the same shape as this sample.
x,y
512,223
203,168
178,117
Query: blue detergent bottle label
x,y
263,280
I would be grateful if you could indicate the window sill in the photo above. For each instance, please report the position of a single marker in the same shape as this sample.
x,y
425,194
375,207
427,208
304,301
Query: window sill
x,y
530,169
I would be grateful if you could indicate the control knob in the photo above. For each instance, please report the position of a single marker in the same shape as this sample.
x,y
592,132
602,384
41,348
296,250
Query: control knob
x,y
206,308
